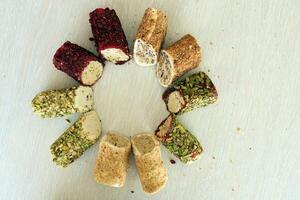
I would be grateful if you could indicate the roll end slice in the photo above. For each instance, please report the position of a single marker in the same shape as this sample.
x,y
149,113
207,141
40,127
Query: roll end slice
x,y
144,54
164,70
84,99
115,55
91,73
164,129
175,102
116,140
91,125
144,143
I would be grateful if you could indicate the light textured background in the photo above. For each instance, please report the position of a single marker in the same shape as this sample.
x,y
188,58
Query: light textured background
x,y
251,50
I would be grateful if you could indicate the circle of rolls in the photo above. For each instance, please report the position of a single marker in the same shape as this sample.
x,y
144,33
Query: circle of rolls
x,y
183,94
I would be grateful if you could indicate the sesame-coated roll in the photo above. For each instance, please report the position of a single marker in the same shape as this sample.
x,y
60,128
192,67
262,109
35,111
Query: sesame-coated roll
x,y
112,162
151,170
149,37
179,58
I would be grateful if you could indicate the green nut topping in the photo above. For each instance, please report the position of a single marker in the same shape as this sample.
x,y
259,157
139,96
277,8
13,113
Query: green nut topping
x,y
178,140
197,91
58,103
71,144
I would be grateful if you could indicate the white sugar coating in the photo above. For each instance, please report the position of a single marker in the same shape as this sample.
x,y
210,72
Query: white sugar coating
x,y
164,70
91,125
114,55
91,73
84,98
144,54
175,102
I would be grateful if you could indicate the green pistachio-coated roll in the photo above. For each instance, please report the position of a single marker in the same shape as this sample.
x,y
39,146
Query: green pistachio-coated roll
x,y
76,139
58,103
178,140
192,92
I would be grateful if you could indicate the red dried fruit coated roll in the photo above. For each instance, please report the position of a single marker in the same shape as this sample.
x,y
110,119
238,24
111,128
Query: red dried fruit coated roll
x,y
79,63
109,36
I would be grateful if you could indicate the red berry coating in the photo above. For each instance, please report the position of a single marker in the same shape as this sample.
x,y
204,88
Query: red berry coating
x,y
108,31
73,59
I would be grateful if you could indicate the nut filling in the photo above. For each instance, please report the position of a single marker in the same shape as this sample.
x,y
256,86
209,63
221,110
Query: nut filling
x,y
92,73
144,54
164,69
114,55
175,102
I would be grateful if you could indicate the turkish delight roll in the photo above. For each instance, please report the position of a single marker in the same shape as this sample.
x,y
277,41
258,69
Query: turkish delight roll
x,y
76,139
192,92
178,140
179,58
150,167
58,103
79,63
109,36
112,162
149,37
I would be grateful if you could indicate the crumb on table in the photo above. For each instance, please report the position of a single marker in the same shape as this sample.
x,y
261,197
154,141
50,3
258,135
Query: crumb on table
x,y
172,161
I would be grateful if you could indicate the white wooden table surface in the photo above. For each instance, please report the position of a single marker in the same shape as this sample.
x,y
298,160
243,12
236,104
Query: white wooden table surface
x,y
251,50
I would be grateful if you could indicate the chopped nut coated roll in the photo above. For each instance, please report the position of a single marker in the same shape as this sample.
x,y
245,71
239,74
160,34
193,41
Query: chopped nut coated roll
x,y
109,36
58,103
150,36
181,57
76,139
192,92
151,170
178,140
112,162
78,63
